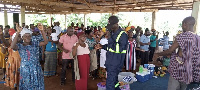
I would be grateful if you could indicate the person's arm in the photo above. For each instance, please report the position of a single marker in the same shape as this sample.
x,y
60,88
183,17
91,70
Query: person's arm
x,y
74,51
60,46
167,52
139,49
3,50
45,42
14,42
142,44
152,40
43,52
6,43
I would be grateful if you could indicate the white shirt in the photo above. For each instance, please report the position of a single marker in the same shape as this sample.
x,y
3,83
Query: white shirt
x,y
103,41
54,36
82,50
58,29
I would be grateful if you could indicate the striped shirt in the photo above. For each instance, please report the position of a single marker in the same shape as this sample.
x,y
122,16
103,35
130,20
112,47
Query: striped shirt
x,y
186,68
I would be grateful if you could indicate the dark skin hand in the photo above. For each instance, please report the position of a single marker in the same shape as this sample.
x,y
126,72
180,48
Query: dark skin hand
x,y
168,52
19,29
61,48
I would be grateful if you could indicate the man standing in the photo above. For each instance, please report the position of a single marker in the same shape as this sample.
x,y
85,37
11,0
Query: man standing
x,y
116,51
65,44
144,45
185,64
165,41
152,48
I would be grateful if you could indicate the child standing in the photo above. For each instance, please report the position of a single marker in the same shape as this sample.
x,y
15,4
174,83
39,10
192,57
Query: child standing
x,y
103,41
131,54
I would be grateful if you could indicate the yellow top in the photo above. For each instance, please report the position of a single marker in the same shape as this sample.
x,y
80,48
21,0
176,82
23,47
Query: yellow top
x,y
2,60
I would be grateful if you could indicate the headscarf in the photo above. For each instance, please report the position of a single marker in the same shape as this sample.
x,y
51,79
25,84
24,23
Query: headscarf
x,y
79,34
11,31
24,31
36,30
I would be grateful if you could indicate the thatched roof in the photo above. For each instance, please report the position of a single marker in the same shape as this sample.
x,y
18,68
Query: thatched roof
x,y
93,6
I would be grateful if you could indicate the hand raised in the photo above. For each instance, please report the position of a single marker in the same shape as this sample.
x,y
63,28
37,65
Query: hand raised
x,y
19,28
40,27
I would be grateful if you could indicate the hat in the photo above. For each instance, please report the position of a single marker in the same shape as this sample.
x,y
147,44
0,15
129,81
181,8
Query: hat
x,y
127,29
79,34
111,21
153,30
132,27
104,29
11,31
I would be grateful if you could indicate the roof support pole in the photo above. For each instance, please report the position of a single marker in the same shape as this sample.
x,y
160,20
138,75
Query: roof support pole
x,y
196,15
85,20
65,21
153,20
22,15
5,18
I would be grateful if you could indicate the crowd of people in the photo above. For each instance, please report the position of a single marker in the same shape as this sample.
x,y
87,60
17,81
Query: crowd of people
x,y
91,51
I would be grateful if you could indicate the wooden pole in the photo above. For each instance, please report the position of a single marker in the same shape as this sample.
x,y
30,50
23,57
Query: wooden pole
x,y
153,20
65,21
22,15
195,14
85,20
5,18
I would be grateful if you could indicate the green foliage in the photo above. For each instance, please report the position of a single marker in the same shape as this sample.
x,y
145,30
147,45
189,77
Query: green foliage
x,y
39,18
102,22
76,18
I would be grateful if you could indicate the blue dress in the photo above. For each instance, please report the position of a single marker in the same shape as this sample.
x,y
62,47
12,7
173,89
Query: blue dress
x,y
31,74
38,38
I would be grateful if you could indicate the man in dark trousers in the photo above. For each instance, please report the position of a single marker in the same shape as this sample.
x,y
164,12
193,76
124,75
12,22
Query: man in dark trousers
x,y
144,45
116,50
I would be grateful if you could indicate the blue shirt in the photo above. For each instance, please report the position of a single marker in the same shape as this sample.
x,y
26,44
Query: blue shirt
x,y
165,42
144,39
153,44
50,47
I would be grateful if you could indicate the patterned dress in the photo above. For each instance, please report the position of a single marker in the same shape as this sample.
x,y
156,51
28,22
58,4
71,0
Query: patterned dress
x,y
12,69
131,55
39,52
31,74
186,68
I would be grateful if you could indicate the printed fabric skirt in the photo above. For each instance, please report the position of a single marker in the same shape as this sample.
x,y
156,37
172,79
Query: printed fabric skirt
x,y
50,63
12,69
84,67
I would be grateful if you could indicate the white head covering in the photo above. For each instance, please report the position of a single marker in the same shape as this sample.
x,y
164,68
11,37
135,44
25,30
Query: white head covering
x,y
24,31
13,36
